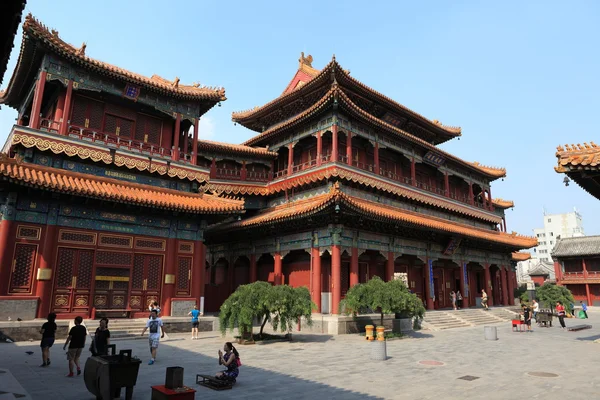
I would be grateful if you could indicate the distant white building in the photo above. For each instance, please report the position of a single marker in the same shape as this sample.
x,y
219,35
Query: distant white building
x,y
556,226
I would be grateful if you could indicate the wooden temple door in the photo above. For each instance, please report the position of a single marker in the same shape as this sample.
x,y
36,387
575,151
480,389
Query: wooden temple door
x,y
111,288
145,281
73,281
21,276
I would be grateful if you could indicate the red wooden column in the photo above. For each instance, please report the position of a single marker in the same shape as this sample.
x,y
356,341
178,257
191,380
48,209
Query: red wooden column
x,y
230,274
319,149
198,270
354,279
504,223
446,184
244,172
413,172
64,127
587,294
36,107
59,112
316,279
195,142
290,169
168,287
428,289
6,253
213,168
277,268
176,134
463,284
504,286
584,266
336,278
376,158
488,284
334,144
490,199
389,266
349,148
43,289
186,145
252,268
471,195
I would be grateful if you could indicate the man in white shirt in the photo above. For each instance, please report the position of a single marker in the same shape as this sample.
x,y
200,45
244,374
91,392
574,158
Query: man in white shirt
x,y
536,309
157,332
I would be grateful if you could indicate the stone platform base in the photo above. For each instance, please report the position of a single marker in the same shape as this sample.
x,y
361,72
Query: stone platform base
x,y
341,324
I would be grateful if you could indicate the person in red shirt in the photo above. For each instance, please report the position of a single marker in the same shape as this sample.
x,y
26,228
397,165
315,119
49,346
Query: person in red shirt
x,y
560,311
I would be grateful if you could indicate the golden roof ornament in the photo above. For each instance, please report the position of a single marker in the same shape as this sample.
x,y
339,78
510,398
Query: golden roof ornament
x,y
305,60
176,82
81,50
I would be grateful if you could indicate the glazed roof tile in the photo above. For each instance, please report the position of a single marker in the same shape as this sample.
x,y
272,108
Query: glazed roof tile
x,y
520,256
574,157
111,189
577,246
33,29
11,12
208,145
501,203
341,75
302,208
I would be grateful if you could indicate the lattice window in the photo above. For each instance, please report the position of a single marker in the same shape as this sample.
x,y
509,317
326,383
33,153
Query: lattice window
x,y
120,111
84,269
113,258
137,280
29,232
116,241
154,272
184,269
76,237
64,274
105,271
78,116
110,124
186,247
150,244
96,113
22,271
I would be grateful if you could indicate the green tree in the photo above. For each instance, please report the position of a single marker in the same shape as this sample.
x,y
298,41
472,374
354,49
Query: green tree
x,y
549,294
247,303
283,305
383,297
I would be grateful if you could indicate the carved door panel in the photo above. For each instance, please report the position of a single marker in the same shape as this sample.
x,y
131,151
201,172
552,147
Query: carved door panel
x,y
73,280
118,126
146,280
21,276
87,113
112,284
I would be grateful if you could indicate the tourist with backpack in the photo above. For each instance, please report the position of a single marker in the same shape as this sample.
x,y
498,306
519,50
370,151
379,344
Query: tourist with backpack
x,y
584,308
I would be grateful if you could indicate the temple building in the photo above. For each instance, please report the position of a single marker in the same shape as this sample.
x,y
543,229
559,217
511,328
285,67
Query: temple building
x,y
112,200
577,259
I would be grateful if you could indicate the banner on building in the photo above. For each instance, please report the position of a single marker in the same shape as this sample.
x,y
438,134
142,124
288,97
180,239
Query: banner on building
x,y
431,288
453,245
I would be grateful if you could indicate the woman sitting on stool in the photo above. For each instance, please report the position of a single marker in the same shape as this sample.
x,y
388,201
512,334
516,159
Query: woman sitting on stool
x,y
231,360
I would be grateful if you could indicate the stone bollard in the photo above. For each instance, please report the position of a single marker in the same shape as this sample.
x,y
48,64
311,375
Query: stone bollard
x,y
378,350
490,333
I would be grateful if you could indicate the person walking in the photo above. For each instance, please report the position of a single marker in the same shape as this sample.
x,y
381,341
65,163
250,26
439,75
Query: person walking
x,y
560,311
157,332
195,313
453,299
459,300
48,332
101,339
584,308
484,300
536,309
572,308
527,316
76,343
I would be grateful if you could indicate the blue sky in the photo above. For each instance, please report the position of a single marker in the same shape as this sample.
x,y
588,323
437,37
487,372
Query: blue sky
x,y
519,77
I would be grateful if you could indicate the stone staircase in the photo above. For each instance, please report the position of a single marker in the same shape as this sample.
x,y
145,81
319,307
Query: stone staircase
x,y
440,320
124,329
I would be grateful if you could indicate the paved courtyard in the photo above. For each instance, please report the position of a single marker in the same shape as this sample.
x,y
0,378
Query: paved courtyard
x,y
321,366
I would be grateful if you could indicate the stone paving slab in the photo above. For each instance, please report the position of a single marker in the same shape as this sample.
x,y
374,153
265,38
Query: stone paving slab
x,y
10,388
338,367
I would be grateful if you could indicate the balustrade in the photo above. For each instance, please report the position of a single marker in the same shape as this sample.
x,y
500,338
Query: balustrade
x,y
229,173
257,176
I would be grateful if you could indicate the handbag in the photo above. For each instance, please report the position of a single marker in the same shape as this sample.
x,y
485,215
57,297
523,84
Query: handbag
x,y
238,362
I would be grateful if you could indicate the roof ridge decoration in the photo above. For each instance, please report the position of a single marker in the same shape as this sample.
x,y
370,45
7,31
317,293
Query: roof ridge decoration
x,y
50,37
501,203
263,151
577,156
494,171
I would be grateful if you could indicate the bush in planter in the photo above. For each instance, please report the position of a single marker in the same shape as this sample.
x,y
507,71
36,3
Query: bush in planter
x,y
549,294
385,297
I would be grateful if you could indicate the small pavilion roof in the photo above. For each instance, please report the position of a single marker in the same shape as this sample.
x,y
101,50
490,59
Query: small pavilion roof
x,y
36,36
86,185
303,208
209,145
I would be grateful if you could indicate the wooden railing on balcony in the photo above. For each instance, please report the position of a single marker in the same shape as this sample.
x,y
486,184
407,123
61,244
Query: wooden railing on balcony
x,y
255,176
229,173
